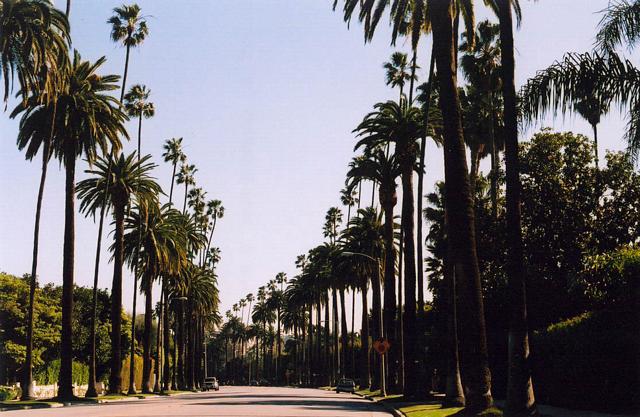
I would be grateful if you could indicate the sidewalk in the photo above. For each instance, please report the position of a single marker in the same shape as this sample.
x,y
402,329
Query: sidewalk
x,y
52,403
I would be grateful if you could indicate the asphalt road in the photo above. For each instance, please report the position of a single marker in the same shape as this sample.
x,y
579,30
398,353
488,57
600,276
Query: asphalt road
x,y
228,402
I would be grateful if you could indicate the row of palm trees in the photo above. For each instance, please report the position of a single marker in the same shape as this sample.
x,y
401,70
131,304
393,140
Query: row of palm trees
x,y
65,108
371,251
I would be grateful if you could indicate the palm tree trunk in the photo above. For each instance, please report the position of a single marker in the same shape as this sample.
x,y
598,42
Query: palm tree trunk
x,y
326,371
310,356
132,356
389,309
146,341
475,370
411,373
115,378
377,333
91,389
365,376
124,75
420,240
473,171
335,368
343,334
520,397
278,342
595,146
414,64
454,395
495,158
27,385
65,382
353,333
180,342
186,191
400,327
173,176
166,372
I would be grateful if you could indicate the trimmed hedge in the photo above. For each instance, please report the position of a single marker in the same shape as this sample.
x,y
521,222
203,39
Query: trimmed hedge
x,y
588,362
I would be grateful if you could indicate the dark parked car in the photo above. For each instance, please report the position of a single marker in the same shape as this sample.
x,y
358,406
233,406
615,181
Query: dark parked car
x,y
253,383
211,383
346,385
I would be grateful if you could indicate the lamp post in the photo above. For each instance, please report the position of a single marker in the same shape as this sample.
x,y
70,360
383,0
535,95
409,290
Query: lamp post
x,y
378,318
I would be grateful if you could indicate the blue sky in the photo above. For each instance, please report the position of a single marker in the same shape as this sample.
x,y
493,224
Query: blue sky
x,y
265,94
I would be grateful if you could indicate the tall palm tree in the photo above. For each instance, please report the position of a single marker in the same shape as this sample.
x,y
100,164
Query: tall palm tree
x,y
34,38
401,124
173,154
162,251
129,28
121,178
41,68
520,397
186,176
385,170
475,369
481,65
87,121
137,105
215,210
396,72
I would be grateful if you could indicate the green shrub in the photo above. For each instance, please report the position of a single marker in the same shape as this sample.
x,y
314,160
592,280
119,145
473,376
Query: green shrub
x,y
8,393
610,280
587,362
48,374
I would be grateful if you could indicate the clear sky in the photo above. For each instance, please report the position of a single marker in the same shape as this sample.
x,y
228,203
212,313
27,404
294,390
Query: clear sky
x,y
265,94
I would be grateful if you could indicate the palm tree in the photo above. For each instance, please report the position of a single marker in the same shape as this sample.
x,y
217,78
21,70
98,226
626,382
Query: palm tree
x,y
520,397
173,154
215,210
41,69
129,28
365,236
137,104
186,176
162,251
475,369
33,43
377,166
396,72
86,121
481,67
401,124
589,82
121,178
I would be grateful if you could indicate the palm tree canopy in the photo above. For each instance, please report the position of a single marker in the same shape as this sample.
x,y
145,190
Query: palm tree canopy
x,y
173,151
620,24
127,26
85,115
120,177
137,103
396,70
34,39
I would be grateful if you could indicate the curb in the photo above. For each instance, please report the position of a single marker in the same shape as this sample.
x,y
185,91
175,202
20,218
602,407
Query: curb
x,y
392,410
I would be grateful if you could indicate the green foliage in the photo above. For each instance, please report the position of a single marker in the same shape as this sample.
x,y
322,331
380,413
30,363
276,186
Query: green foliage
x,y
48,374
14,294
609,278
597,349
8,393
137,372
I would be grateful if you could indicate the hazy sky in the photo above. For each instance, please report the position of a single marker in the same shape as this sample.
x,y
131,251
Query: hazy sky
x,y
265,94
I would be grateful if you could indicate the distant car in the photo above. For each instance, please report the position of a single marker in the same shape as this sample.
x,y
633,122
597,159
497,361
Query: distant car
x,y
211,383
346,385
253,383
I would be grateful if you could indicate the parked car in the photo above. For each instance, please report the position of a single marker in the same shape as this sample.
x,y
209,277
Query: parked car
x,y
211,383
346,385
253,383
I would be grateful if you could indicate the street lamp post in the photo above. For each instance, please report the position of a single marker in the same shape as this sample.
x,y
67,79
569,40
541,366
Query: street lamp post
x,y
383,383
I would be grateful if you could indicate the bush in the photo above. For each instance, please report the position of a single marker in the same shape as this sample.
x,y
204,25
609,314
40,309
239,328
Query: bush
x,y
8,393
48,375
610,280
587,362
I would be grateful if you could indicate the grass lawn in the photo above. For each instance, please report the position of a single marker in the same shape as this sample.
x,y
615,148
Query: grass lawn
x,y
436,410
